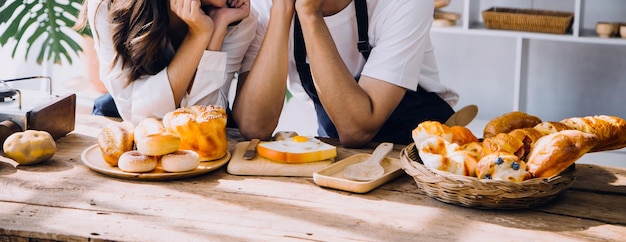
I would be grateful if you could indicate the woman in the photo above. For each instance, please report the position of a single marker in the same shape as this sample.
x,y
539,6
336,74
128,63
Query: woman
x,y
156,56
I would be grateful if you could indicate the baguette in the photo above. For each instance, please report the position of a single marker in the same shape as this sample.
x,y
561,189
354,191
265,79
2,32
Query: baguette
x,y
610,130
553,153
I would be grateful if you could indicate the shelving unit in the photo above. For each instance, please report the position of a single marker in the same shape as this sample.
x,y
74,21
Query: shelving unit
x,y
586,14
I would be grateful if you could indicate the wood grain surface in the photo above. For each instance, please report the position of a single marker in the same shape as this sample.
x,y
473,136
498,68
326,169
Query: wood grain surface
x,y
64,200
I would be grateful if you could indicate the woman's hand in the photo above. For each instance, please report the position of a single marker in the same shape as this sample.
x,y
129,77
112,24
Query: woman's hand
x,y
191,13
235,11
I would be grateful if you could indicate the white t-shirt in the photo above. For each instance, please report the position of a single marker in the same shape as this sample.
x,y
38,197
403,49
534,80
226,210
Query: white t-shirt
x,y
399,33
151,95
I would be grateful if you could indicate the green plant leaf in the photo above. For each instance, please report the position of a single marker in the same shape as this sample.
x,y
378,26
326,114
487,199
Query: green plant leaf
x,y
41,22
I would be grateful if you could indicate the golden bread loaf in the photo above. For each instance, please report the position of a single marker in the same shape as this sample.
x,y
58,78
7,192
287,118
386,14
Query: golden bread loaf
x,y
553,153
502,166
115,139
201,129
610,130
152,139
508,122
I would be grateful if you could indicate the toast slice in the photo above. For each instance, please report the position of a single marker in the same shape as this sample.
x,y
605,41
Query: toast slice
x,y
298,149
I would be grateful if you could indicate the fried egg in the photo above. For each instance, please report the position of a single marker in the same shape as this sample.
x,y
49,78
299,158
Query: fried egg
x,y
299,143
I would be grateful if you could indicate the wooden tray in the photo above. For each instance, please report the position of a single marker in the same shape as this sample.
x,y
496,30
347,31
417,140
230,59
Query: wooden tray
x,y
92,157
333,177
260,166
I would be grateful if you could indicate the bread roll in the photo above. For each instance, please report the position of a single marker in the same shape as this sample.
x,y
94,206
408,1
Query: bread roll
x,y
201,129
474,148
115,139
610,130
455,134
508,122
502,166
152,139
430,129
553,153
437,153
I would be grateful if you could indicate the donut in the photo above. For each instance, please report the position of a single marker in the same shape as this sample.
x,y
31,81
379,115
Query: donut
x,y
180,161
135,161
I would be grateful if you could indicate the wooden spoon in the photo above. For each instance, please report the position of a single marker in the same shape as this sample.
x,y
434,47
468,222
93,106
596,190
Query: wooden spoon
x,y
369,169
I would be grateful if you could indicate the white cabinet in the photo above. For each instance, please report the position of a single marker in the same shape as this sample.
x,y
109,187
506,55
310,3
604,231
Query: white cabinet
x,y
549,75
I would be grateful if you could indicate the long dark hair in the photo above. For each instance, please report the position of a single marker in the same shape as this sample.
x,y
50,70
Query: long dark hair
x,y
139,33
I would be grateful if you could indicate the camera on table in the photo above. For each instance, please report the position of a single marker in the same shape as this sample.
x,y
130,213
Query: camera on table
x,y
29,109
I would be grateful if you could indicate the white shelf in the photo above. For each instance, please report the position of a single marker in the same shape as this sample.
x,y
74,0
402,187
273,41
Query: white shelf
x,y
586,14
588,36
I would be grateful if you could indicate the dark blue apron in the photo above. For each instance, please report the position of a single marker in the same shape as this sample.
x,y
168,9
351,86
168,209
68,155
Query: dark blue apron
x,y
414,108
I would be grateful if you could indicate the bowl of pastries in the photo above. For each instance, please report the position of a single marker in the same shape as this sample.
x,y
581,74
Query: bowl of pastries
x,y
520,162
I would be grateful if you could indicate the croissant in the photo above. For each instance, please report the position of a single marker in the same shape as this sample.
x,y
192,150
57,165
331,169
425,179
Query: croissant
x,y
502,142
553,153
610,130
508,122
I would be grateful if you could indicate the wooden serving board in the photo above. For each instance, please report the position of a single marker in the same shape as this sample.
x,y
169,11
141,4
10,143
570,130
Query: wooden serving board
x,y
260,166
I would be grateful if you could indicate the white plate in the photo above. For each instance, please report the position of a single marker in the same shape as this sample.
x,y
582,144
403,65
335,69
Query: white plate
x,y
92,157
332,176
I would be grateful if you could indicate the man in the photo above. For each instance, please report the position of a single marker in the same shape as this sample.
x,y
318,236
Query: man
x,y
363,89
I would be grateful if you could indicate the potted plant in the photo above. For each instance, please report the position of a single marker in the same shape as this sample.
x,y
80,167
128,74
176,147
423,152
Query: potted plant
x,y
46,24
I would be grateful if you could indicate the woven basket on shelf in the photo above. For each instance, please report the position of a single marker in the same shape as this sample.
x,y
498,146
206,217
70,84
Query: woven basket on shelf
x,y
530,20
488,194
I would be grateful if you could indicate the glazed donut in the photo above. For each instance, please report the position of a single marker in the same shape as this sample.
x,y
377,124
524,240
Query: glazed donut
x,y
180,161
135,161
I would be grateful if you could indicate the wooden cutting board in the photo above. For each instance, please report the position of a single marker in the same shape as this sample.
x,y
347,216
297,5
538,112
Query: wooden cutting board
x,y
260,166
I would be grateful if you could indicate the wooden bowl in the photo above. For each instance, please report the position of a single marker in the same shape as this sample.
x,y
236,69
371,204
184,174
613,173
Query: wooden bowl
x,y
622,30
606,29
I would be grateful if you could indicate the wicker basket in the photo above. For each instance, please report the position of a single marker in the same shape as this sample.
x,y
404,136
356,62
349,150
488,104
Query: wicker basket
x,y
487,194
530,20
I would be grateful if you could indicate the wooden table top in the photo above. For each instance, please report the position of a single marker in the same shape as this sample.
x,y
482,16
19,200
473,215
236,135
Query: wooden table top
x,y
62,199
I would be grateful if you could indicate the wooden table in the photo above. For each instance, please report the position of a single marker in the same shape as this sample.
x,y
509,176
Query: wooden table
x,y
63,199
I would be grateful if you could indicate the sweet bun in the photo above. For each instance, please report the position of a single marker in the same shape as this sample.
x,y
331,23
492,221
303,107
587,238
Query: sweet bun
x,y
152,139
501,166
201,129
115,139
135,161
429,129
553,153
297,149
508,122
610,130
462,135
474,148
437,153
180,161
